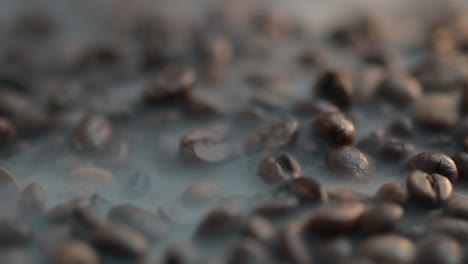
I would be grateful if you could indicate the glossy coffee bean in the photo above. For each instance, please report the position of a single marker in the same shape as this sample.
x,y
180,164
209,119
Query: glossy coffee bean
x,y
93,132
429,189
72,252
380,218
349,163
32,200
461,161
272,134
280,168
202,192
394,192
219,223
333,250
388,249
434,162
335,86
437,112
334,218
400,89
396,150
439,249
307,189
334,128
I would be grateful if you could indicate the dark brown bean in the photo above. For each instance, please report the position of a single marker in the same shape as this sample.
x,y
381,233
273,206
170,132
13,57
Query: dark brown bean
x,y
401,126
272,134
14,231
333,250
7,132
181,253
73,252
278,207
388,249
63,213
201,193
380,218
174,82
457,207
219,223
439,249
461,160
349,163
139,219
335,86
94,132
259,228
280,168
394,192
429,189
434,162
437,112
396,150
248,251
453,227
333,127
400,89
308,189
293,244
32,200
334,218
205,104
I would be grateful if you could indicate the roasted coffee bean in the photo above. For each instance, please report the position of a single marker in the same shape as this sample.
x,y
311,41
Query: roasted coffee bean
x,y
394,192
457,207
347,194
334,218
308,189
349,163
293,243
181,253
333,250
7,132
400,89
94,132
89,174
248,251
139,219
371,142
439,249
278,207
205,104
333,127
402,127
63,213
14,231
219,223
437,112
335,86
388,249
32,200
259,228
453,227
174,82
396,150
280,168
429,189
380,218
201,193
434,162
313,107
461,160
8,185
73,252
272,134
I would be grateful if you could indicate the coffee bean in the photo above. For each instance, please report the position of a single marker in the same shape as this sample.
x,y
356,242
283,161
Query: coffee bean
x,y
439,249
439,73
371,142
400,89
437,112
181,253
347,194
63,213
278,207
457,207
173,82
401,126
388,249
7,132
434,162
219,223
14,231
272,134
394,192
396,150
429,189
308,189
461,160
293,244
201,193
335,86
205,104
280,168
248,251
334,218
72,252
216,53
32,200
333,250
8,185
334,128
349,163
94,132
259,228
313,107
380,218
139,219
89,174
452,227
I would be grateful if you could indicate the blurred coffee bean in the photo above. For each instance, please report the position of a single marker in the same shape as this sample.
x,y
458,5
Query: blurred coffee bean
x,y
429,189
63,212
333,250
272,134
120,240
394,192
219,223
334,218
205,104
437,112
347,194
388,249
139,219
461,160
261,229
334,128
401,127
181,253
94,132
434,162
400,89
61,94
248,251
278,207
7,132
371,142
439,249
14,231
89,174
114,108
335,86
307,189
312,107
201,193
173,82
380,218
293,243
32,200
349,163
279,168
457,207
73,252
452,227
215,52
440,73
396,150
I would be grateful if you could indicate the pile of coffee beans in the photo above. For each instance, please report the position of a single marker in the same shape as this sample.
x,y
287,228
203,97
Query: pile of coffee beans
x,y
140,133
